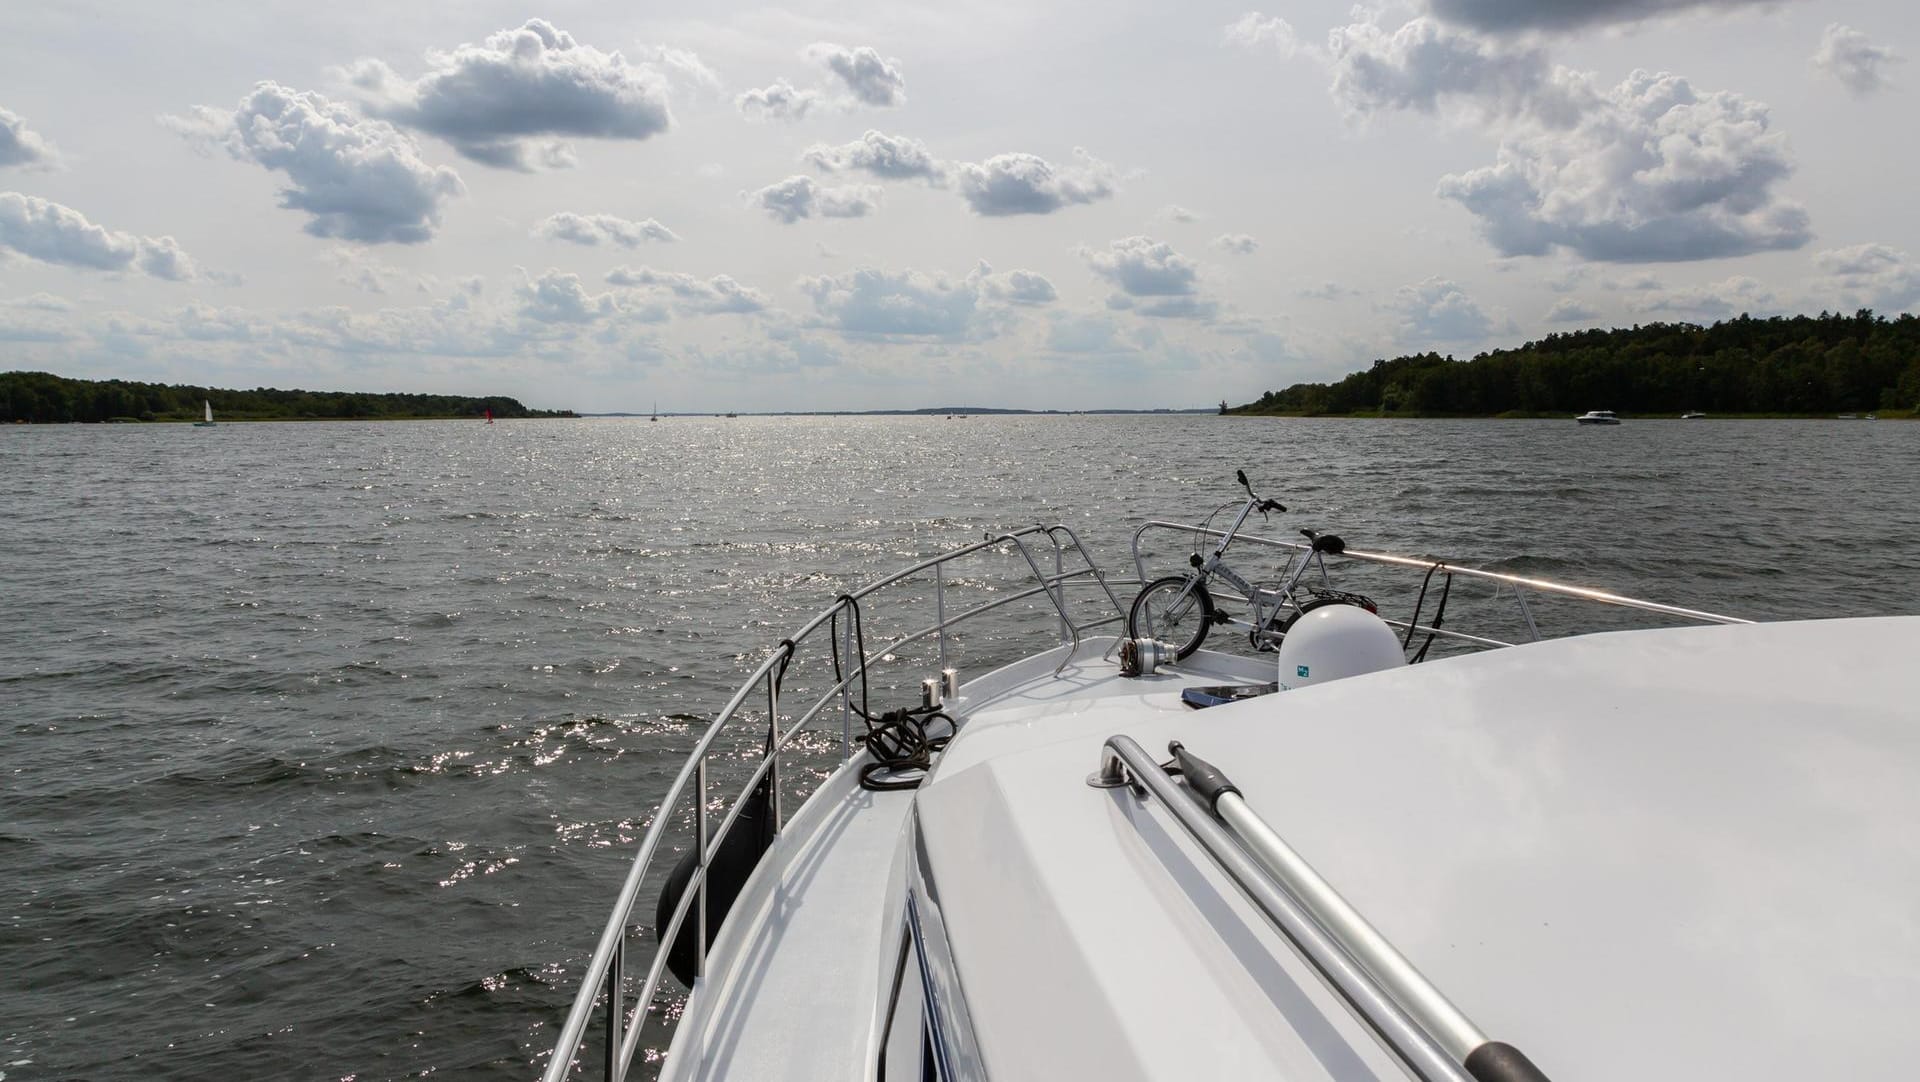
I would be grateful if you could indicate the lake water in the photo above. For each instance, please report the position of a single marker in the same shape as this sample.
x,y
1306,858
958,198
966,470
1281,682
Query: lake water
x,y
325,745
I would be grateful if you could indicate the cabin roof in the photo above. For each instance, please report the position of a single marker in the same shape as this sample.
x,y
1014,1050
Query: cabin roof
x,y
1680,853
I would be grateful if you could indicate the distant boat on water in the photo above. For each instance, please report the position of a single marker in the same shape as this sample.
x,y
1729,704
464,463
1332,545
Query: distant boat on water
x,y
1693,415
1598,417
655,416
489,414
208,423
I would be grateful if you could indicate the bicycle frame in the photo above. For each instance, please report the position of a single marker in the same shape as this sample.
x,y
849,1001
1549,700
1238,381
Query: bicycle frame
x,y
1267,604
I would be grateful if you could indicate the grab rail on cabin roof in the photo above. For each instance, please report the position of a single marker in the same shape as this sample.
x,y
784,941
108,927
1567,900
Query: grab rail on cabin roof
x,y
1414,1019
1520,584
604,982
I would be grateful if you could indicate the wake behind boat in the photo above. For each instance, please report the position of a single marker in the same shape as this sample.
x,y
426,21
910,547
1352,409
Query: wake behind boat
x,y
1460,860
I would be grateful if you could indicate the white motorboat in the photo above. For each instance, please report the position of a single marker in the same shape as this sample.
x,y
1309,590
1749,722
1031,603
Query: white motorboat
x,y
1680,852
1598,417
1693,415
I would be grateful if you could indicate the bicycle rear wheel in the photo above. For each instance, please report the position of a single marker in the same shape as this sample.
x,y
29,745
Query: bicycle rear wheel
x,y
1167,610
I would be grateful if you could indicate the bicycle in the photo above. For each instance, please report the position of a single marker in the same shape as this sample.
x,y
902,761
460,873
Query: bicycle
x,y
1179,609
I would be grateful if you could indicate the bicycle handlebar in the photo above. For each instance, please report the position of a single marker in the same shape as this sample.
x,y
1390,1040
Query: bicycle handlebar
x,y
1263,506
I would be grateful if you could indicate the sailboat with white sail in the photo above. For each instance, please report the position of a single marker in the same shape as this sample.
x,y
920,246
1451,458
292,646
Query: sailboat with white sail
x,y
208,423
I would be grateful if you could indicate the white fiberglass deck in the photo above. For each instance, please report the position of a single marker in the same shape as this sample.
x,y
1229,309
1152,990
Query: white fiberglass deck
x,y
805,957
1677,854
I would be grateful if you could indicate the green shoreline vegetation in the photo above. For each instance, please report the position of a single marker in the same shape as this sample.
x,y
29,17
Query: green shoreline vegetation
x,y
1798,366
44,398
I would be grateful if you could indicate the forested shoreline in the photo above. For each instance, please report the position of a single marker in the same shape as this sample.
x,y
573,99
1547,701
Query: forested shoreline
x,y
44,398
1799,365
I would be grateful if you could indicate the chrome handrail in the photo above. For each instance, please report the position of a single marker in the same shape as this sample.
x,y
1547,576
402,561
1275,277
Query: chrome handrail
x,y
1519,583
605,972
1124,763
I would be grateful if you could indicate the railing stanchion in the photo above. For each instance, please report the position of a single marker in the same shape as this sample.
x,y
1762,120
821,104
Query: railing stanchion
x,y
1526,611
1059,589
940,611
700,870
846,681
614,1011
773,749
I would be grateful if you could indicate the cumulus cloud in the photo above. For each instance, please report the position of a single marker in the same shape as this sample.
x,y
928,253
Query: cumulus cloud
x,y
21,145
1153,279
357,179
702,296
1568,310
871,303
1423,65
1023,287
1236,243
1174,212
1009,184
1654,172
596,229
872,79
1513,16
162,257
781,101
800,197
889,157
52,233
1437,311
488,99
1648,170
1256,31
558,297
1867,276
1144,267
1844,53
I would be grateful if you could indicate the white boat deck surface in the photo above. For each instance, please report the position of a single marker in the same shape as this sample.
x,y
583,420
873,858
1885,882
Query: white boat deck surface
x,y
807,954
826,904
1675,854
831,899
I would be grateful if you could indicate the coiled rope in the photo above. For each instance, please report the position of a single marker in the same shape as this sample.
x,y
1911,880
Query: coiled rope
x,y
901,741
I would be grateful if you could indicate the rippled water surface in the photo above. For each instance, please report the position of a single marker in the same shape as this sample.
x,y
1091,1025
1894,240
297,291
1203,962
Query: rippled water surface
x,y
325,745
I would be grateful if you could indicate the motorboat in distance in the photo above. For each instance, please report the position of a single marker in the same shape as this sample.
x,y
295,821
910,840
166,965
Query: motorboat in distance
x,y
1598,417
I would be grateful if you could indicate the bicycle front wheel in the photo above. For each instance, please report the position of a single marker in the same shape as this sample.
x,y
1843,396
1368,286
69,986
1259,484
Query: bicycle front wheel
x,y
1168,610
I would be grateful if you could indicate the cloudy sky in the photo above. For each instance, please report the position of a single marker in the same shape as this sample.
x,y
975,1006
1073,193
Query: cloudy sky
x,y
871,205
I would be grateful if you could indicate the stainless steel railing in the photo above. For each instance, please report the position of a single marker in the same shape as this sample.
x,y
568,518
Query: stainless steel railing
x,y
1520,585
605,980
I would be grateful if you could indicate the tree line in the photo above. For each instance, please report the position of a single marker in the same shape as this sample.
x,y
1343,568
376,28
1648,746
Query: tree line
x,y
1810,365
43,397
